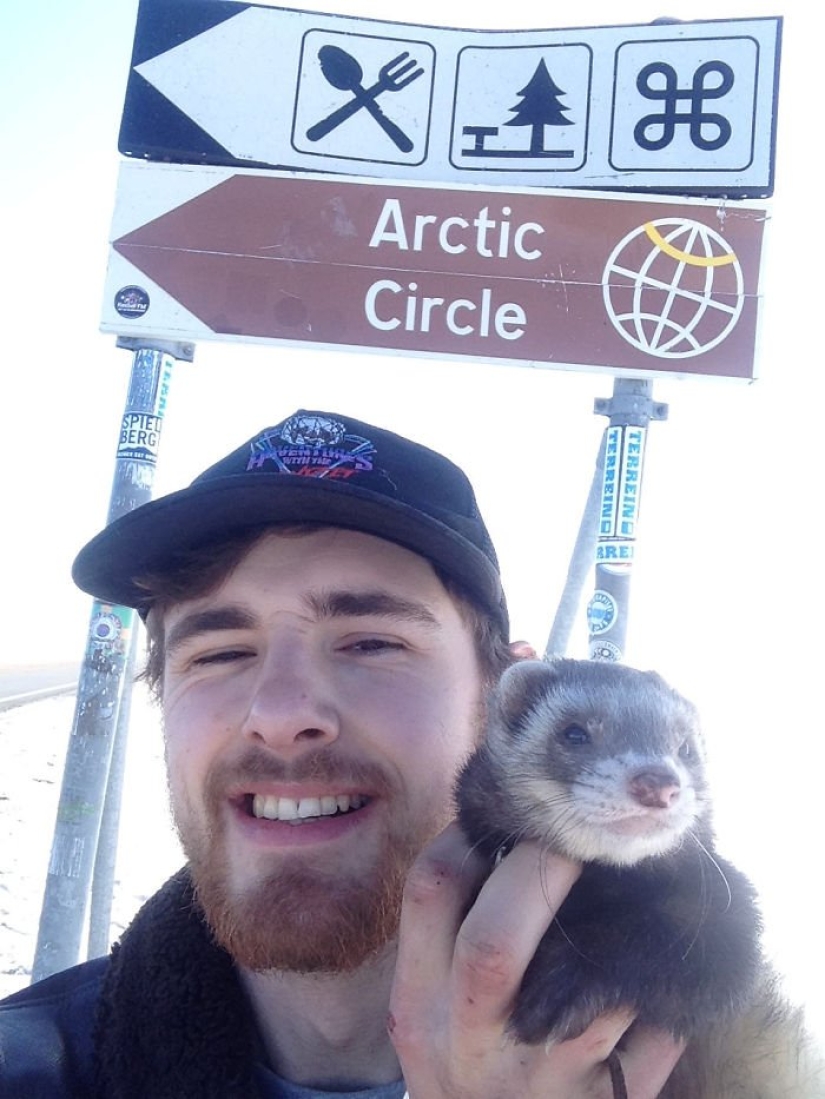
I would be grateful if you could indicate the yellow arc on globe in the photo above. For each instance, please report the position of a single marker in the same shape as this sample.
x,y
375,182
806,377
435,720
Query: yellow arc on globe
x,y
686,257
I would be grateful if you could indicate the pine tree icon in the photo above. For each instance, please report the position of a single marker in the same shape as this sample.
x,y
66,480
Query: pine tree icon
x,y
540,106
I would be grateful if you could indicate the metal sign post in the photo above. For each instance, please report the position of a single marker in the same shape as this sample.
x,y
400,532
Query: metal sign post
x,y
581,564
102,677
607,531
630,409
103,877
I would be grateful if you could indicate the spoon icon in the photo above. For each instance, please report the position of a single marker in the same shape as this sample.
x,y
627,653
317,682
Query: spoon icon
x,y
343,71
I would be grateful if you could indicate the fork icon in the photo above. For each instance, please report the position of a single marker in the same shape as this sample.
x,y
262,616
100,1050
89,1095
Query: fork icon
x,y
343,71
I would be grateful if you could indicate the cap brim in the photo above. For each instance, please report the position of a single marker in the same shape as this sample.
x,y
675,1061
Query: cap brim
x,y
143,540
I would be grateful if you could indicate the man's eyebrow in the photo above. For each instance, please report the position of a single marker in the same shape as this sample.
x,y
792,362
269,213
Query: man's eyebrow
x,y
206,621
364,604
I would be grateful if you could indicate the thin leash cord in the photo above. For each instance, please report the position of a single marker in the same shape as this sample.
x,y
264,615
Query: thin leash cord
x,y
617,1076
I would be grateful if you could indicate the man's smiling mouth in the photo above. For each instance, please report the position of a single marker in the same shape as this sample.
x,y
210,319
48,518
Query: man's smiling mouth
x,y
300,810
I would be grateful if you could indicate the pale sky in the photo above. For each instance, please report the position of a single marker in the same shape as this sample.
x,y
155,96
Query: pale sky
x,y
725,602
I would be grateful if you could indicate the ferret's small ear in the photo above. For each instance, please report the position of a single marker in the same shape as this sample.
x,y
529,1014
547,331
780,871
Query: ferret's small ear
x,y
521,687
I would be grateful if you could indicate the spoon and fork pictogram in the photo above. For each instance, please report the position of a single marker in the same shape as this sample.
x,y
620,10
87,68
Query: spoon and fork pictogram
x,y
344,72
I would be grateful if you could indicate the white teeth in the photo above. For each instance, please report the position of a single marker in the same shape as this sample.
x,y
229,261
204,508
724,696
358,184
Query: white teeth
x,y
309,807
272,808
287,809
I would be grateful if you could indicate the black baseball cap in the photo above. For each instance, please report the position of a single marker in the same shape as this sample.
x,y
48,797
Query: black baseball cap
x,y
312,467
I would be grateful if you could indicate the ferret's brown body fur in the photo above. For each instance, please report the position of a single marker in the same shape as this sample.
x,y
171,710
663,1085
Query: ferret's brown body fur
x,y
605,765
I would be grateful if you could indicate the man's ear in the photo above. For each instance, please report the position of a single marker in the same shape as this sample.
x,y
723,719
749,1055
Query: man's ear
x,y
522,650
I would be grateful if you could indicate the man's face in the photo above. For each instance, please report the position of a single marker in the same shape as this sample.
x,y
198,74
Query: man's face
x,y
317,707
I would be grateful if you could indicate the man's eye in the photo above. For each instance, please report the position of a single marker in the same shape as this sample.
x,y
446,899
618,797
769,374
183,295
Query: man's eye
x,y
223,656
375,645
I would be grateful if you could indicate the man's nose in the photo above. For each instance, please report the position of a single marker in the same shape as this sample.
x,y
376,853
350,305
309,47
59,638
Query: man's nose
x,y
291,708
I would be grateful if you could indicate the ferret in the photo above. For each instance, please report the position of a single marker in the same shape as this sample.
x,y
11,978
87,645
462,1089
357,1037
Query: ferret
x,y
605,764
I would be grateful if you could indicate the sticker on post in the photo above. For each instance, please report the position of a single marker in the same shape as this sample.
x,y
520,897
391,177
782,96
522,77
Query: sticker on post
x,y
606,651
131,302
139,437
615,554
602,612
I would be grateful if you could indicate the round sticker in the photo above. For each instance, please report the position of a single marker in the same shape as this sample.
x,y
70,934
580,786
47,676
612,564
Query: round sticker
x,y
605,650
602,612
105,629
131,301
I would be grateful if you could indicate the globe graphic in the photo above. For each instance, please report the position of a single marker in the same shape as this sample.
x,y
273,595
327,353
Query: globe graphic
x,y
673,288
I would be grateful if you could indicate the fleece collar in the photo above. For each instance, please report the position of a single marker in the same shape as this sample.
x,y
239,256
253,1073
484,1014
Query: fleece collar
x,y
173,1021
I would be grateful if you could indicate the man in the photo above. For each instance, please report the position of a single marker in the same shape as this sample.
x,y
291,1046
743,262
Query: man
x,y
324,614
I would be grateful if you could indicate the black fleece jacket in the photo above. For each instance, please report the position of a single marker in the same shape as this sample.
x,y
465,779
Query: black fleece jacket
x,y
163,1016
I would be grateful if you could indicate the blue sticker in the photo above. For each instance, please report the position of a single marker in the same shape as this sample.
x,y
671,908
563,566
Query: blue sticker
x,y
602,612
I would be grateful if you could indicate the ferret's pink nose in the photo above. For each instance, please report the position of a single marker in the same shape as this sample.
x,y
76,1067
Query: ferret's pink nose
x,y
655,788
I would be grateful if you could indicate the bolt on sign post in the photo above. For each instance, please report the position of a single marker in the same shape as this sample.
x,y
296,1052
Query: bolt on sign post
x,y
102,677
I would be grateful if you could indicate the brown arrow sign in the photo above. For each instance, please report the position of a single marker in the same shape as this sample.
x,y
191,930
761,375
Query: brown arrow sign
x,y
529,278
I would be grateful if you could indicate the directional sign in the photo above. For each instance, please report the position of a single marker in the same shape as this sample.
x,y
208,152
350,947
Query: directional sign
x,y
673,107
531,277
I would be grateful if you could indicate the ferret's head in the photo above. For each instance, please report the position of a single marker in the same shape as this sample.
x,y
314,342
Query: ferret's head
x,y
604,763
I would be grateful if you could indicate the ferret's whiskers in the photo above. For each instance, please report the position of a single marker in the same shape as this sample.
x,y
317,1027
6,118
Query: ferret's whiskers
x,y
466,858
716,866
565,823
705,907
706,893
580,952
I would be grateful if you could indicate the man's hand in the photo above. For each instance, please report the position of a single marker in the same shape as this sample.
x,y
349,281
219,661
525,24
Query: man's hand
x,y
458,973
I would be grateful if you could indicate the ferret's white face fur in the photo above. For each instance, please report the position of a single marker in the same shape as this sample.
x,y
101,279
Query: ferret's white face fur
x,y
603,763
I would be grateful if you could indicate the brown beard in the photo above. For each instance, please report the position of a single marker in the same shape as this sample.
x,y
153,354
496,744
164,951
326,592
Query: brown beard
x,y
301,918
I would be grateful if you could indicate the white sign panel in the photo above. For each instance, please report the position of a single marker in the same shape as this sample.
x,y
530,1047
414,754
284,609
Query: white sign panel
x,y
683,107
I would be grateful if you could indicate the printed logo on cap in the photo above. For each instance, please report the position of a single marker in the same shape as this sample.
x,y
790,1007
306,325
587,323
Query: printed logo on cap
x,y
312,446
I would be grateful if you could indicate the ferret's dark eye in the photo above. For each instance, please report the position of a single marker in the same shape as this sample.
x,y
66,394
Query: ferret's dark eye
x,y
575,734
685,751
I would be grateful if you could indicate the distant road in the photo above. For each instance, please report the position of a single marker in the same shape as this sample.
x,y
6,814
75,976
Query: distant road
x,y
22,683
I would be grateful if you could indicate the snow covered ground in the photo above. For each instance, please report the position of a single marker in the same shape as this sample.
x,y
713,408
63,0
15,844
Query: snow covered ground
x,y
33,742
32,749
